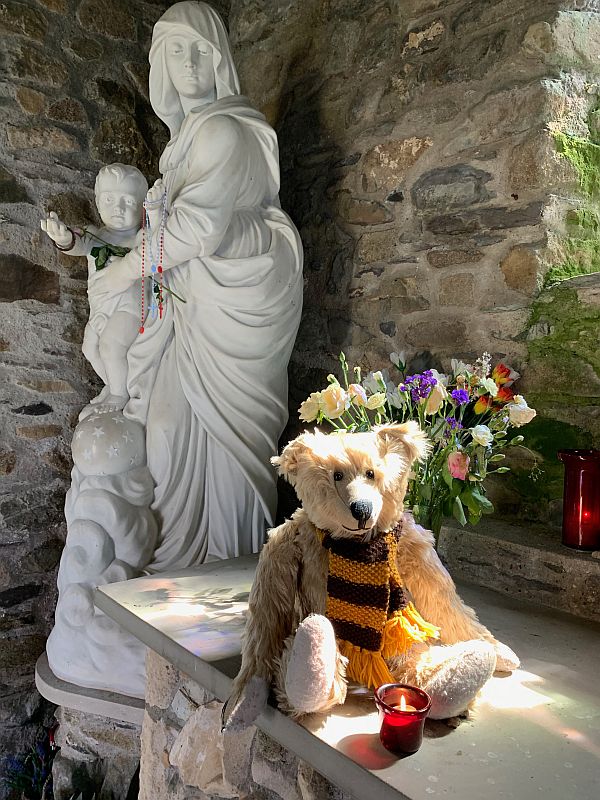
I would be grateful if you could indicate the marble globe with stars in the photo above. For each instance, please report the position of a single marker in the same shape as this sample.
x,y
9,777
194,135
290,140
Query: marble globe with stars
x,y
108,444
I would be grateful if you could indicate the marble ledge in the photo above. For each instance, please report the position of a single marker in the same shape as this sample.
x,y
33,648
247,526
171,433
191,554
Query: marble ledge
x,y
534,733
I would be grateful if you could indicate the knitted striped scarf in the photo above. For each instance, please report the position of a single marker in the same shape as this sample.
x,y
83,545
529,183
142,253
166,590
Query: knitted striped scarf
x,y
366,604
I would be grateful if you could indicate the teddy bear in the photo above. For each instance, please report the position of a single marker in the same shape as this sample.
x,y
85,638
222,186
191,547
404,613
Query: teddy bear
x,y
352,589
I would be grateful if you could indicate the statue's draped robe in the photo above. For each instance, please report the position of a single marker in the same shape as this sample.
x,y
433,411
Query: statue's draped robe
x,y
209,380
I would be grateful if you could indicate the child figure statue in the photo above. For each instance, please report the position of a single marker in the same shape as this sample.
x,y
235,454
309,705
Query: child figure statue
x,y
114,322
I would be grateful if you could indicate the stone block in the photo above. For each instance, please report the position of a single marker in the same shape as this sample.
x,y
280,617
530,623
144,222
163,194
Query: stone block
x,y
535,164
21,279
442,257
57,6
482,220
378,246
33,410
457,290
50,386
118,138
85,48
18,656
50,138
201,766
16,595
11,190
385,166
30,101
23,20
441,333
37,66
445,188
361,212
108,18
275,768
68,110
162,681
8,460
572,40
522,270
37,432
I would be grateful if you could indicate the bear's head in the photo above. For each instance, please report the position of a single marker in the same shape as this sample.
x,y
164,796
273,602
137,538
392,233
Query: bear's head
x,y
353,484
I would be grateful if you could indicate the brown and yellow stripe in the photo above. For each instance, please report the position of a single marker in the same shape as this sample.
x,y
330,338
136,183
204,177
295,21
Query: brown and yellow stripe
x,y
367,607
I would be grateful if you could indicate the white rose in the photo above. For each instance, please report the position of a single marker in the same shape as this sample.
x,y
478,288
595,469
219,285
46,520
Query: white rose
x,y
334,401
436,397
376,401
482,435
490,385
309,409
519,412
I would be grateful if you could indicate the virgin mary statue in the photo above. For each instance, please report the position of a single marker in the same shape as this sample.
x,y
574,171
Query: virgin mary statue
x,y
209,379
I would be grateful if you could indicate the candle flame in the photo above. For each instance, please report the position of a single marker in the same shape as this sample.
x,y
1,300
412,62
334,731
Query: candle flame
x,y
402,703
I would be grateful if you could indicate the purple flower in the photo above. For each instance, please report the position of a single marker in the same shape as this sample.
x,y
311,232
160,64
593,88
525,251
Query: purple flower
x,y
419,385
460,396
454,424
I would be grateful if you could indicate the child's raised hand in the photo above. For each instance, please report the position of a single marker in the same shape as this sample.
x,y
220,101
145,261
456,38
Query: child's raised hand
x,y
57,230
156,192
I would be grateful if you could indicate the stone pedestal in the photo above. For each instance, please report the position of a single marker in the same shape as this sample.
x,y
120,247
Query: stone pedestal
x,y
97,754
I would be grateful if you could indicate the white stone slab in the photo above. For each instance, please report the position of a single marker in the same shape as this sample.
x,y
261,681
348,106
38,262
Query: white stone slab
x,y
92,701
535,733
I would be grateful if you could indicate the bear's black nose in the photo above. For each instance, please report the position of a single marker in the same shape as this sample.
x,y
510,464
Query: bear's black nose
x,y
361,511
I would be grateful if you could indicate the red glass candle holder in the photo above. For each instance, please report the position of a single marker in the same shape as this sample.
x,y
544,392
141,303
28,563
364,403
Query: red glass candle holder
x,y
401,731
581,502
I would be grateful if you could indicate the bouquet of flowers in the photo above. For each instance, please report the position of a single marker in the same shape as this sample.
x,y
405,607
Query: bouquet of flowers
x,y
468,415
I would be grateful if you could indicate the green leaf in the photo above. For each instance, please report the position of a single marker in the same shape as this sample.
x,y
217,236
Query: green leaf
x,y
458,512
502,469
470,502
474,518
497,457
457,487
446,475
517,440
425,491
485,504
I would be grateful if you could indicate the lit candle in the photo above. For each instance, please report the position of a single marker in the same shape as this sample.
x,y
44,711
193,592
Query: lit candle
x,y
581,502
402,721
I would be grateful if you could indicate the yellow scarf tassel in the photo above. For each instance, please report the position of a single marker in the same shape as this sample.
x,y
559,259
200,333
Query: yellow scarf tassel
x,y
365,666
405,628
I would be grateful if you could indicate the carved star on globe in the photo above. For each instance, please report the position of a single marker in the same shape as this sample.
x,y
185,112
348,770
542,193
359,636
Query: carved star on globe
x,y
127,437
87,454
133,461
98,432
118,420
112,451
79,434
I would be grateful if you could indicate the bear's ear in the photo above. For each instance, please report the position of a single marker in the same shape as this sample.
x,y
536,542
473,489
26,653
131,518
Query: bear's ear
x,y
292,454
406,439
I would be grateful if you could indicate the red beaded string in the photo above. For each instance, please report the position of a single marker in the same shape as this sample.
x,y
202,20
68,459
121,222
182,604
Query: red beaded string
x,y
143,263
160,268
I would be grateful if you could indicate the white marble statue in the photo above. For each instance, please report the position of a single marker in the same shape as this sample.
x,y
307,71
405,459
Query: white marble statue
x,y
182,474
114,320
209,380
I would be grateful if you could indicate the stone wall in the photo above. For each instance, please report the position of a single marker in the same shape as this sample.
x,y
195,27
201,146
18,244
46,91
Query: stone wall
x,y
420,162
73,94
440,158
184,756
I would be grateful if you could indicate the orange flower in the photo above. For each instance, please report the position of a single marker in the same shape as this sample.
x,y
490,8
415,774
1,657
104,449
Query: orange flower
x,y
504,374
483,404
505,395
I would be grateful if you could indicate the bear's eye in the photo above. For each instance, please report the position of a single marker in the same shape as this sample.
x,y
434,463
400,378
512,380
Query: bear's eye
x,y
370,474
337,475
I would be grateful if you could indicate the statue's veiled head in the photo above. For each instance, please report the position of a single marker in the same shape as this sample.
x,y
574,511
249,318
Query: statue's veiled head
x,y
189,57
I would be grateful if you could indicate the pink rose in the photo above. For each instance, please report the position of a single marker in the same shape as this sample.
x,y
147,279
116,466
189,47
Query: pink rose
x,y
458,464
